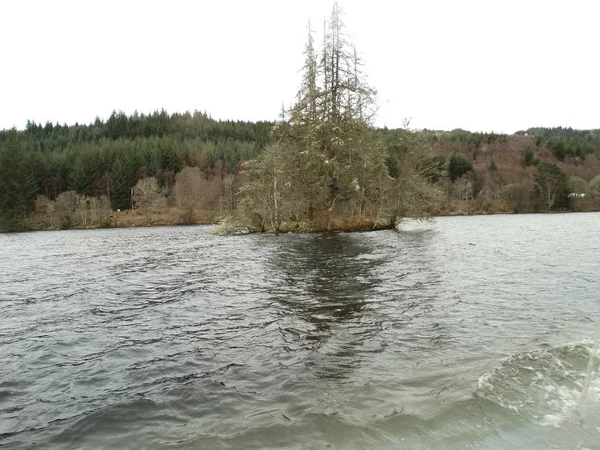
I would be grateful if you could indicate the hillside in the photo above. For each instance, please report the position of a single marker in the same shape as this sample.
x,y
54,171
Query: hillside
x,y
59,176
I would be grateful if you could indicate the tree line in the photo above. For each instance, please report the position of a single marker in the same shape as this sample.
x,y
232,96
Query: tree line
x,y
107,158
476,172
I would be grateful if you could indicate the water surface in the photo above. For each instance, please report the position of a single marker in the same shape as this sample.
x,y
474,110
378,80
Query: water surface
x,y
471,332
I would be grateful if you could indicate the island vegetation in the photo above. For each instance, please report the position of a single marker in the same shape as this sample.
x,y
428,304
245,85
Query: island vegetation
x,y
322,166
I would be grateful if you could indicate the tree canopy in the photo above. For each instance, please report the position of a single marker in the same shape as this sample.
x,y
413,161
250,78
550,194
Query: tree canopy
x,y
327,165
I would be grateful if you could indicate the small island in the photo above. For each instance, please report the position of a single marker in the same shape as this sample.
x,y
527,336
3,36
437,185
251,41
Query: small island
x,y
323,166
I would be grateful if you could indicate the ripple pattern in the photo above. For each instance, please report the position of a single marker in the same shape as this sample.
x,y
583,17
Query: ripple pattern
x,y
176,338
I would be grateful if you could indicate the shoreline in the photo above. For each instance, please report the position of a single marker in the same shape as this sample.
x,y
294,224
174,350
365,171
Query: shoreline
x,y
116,223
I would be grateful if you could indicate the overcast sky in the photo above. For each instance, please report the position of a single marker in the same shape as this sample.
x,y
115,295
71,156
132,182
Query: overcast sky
x,y
479,65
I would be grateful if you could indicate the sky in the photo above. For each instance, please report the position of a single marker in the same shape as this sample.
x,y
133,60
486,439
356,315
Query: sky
x,y
481,65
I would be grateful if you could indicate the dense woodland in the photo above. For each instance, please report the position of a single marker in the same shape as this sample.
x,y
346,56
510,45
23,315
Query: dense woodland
x,y
197,165
322,166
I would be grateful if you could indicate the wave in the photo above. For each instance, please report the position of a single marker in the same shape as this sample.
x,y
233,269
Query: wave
x,y
416,225
546,386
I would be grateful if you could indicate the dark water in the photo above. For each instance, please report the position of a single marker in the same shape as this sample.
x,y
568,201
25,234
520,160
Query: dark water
x,y
472,332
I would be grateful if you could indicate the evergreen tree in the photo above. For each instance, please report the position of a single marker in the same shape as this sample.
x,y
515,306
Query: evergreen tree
x,y
551,186
331,159
458,166
18,184
120,184
528,158
78,178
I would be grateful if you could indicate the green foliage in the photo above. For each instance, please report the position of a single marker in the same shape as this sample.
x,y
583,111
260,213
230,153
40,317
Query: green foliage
x,y
558,132
121,182
159,124
528,158
458,165
473,140
18,184
79,178
418,145
327,156
565,142
330,159
108,157
551,187
268,194
328,163
577,185
559,150
493,166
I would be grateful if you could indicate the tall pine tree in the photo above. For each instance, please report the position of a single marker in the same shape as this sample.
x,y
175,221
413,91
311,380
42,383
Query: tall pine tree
x,y
18,184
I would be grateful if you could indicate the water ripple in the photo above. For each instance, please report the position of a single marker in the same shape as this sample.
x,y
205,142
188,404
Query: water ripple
x,y
173,337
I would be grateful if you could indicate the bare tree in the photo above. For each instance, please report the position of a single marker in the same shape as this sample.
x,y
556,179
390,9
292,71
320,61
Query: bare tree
x,y
190,188
148,197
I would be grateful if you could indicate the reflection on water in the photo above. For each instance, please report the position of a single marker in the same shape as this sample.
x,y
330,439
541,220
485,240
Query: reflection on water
x,y
326,272
326,286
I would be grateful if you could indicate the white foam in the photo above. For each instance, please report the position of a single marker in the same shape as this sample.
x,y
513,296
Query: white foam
x,y
416,225
483,382
547,386
568,404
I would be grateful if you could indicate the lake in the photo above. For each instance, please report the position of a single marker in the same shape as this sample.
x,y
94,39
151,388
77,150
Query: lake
x,y
468,332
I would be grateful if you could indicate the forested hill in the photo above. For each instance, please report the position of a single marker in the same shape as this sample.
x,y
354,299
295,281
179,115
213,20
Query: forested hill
x,y
108,157
555,132
566,141
159,124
